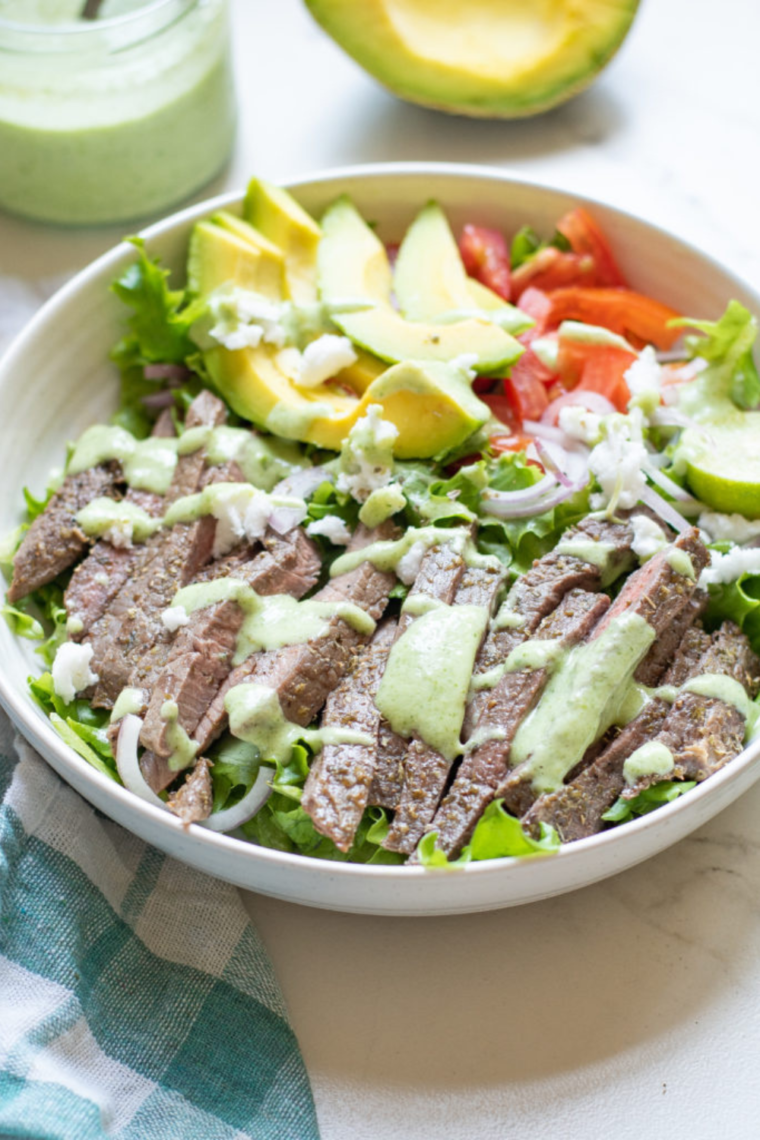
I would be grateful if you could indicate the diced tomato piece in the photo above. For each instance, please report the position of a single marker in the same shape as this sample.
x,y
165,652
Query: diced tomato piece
x,y
482,384
585,236
551,269
537,305
525,395
486,258
503,410
622,311
604,372
501,443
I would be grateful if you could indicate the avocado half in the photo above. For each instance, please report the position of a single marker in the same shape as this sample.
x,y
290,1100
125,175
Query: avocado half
x,y
488,58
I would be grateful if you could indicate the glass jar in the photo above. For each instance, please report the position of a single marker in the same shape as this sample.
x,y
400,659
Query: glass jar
x,y
113,118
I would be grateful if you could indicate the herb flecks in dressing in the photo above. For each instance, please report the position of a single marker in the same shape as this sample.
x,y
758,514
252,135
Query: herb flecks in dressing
x,y
427,677
530,655
387,554
728,690
651,759
147,464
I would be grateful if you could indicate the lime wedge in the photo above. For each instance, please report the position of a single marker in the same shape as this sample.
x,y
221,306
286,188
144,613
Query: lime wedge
x,y
724,465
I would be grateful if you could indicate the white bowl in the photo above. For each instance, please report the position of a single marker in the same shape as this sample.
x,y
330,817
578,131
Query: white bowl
x,y
56,379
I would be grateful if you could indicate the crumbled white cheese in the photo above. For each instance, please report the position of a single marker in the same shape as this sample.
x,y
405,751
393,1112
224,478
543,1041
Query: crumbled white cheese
x,y
645,374
731,528
74,625
119,533
581,424
173,618
618,460
324,358
408,566
648,537
71,670
725,568
466,362
366,459
243,319
242,513
332,528
288,360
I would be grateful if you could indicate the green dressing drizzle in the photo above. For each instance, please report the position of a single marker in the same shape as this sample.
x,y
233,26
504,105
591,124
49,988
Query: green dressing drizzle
x,y
651,759
128,701
681,562
387,554
99,516
183,749
382,504
729,691
147,464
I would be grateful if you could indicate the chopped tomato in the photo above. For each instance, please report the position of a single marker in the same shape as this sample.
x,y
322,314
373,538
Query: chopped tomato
x,y
551,269
524,397
516,442
486,258
586,237
537,305
483,384
621,310
604,372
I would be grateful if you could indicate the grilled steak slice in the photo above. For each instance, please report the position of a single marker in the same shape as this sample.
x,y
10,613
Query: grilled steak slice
x,y
666,647
194,800
538,593
304,675
54,541
657,592
439,575
98,579
509,702
704,733
576,809
337,788
129,641
201,655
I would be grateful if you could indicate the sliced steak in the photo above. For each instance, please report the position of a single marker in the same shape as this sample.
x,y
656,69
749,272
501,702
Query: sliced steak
x,y
439,575
201,655
657,592
130,642
194,800
54,541
425,769
337,789
507,705
576,809
704,733
304,675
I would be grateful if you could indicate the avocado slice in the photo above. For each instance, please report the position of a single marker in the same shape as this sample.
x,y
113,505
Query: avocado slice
x,y
278,216
352,263
493,58
430,278
217,256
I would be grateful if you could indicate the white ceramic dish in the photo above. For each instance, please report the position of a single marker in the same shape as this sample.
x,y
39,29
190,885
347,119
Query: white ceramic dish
x,y
56,379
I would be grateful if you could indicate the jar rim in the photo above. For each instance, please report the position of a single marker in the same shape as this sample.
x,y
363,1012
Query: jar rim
x,y
117,31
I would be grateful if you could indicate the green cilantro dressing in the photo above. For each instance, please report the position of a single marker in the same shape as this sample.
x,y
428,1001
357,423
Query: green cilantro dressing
x,y
427,677
271,622
507,618
74,625
218,498
256,716
596,553
580,701
729,691
183,749
129,701
530,655
387,554
651,759
117,516
263,460
381,504
680,561
147,464
418,604
295,422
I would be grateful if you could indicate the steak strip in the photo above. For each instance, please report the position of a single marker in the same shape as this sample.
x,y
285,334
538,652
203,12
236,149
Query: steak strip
x,y
509,702
425,769
439,575
54,541
576,809
656,592
193,801
704,733
337,788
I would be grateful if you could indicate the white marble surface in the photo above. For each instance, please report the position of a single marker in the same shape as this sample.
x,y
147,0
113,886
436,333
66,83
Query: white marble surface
x,y
630,1009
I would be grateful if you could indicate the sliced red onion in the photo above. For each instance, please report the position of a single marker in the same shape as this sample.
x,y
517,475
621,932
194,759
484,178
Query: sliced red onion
x,y
284,519
669,417
550,464
592,401
673,356
546,431
302,483
166,372
127,764
664,509
229,818
669,486
503,505
162,399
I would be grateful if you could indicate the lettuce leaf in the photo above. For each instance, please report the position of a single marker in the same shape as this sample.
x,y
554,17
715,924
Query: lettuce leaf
x,y
739,602
526,244
497,835
726,345
81,726
651,798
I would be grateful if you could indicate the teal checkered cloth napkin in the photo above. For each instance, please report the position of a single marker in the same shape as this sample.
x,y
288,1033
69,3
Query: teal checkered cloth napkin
x,y
136,1000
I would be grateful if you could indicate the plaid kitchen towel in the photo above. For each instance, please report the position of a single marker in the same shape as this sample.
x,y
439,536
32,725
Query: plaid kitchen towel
x,y
136,1000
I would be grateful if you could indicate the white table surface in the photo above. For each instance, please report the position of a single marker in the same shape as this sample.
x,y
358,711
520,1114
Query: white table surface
x,y
630,1009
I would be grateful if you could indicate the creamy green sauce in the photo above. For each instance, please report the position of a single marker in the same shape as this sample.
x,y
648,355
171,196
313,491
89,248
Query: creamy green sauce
x,y
387,554
220,497
295,422
681,562
74,625
263,460
271,622
101,515
596,553
428,673
148,464
651,759
381,505
729,691
256,716
530,655
129,701
418,604
580,702
507,618
183,749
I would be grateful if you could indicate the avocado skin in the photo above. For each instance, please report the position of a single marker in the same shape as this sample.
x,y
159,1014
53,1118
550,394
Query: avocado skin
x,y
367,33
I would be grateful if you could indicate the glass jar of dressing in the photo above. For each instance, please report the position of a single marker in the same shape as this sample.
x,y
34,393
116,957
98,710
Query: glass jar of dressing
x,y
111,118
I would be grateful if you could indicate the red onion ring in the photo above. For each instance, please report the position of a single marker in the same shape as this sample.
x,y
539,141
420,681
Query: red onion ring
x,y
550,463
303,483
664,509
669,486
505,504
127,764
592,401
229,818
